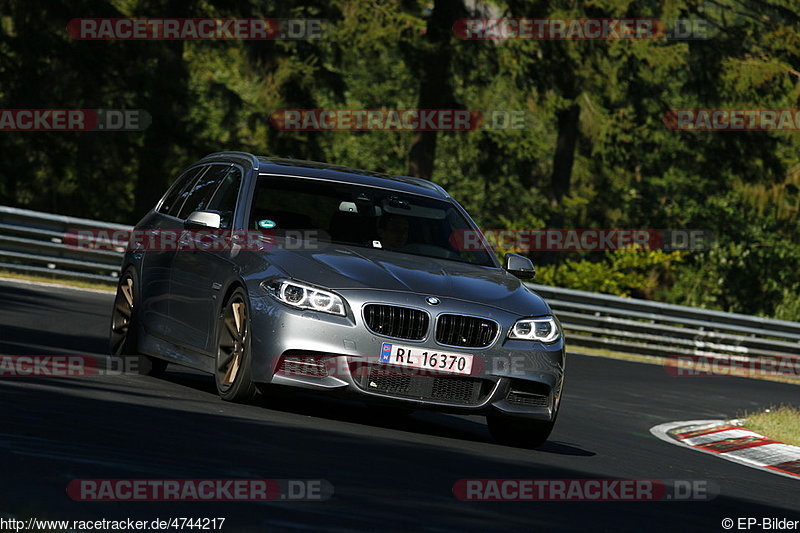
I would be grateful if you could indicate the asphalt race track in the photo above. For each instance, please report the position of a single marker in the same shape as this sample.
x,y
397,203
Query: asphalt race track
x,y
389,475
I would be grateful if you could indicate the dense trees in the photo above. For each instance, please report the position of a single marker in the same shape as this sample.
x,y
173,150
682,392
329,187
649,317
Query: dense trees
x,y
596,152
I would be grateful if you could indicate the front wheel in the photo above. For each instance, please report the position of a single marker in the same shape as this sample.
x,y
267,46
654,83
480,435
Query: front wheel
x,y
232,372
124,336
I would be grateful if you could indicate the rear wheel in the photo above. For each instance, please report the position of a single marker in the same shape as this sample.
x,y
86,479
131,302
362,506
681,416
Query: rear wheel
x,y
123,330
124,337
233,373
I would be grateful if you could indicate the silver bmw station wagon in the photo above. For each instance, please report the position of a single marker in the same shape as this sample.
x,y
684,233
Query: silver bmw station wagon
x,y
271,272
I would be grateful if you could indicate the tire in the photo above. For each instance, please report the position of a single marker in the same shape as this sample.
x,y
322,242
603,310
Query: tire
x,y
124,330
519,432
232,369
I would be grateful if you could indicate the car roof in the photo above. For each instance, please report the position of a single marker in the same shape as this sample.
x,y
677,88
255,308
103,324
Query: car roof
x,y
326,171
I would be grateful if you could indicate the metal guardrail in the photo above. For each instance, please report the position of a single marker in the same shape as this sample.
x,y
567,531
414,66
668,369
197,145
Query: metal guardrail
x,y
35,242
653,328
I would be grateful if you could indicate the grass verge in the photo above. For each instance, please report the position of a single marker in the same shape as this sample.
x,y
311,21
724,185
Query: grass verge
x,y
668,362
778,423
54,280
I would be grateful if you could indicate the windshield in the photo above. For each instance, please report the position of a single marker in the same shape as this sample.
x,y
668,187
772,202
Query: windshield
x,y
364,216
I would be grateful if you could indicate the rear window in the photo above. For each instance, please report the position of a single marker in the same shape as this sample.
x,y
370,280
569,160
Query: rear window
x,y
176,195
203,190
225,199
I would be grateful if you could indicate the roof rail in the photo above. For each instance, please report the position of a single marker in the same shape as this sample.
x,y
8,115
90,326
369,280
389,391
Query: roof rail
x,y
253,159
422,182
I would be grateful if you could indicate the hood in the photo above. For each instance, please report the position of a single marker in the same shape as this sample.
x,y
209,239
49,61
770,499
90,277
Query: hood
x,y
344,267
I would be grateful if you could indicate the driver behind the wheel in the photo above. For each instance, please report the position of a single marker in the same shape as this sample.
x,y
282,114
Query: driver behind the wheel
x,y
393,231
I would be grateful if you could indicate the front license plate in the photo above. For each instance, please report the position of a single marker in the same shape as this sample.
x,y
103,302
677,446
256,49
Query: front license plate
x,y
426,359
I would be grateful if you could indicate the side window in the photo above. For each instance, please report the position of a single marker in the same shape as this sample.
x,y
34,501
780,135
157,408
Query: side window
x,y
202,191
173,200
224,200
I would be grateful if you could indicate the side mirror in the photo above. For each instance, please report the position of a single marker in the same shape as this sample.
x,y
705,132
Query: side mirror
x,y
203,219
520,266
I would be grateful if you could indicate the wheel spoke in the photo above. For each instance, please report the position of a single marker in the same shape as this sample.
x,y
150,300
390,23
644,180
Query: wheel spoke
x,y
233,369
238,317
127,291
122,309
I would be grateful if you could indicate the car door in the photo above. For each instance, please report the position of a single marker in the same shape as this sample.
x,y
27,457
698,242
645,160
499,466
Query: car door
x,y
202,265
157,258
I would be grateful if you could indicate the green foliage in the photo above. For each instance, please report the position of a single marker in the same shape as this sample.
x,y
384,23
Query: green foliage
x,y
789,306
629,171
621,273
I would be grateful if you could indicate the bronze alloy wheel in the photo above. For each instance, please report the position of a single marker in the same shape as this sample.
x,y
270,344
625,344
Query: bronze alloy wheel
x,y
124,340
233,352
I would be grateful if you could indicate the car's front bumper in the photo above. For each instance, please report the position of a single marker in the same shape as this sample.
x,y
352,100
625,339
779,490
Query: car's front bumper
x,y
521,378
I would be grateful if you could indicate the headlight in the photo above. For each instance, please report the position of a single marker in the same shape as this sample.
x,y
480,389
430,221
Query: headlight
x,y
304,296
535,329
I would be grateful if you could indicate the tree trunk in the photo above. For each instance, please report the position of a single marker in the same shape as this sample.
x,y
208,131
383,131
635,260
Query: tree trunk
x,y
167,100
435,88
166,104
564,155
